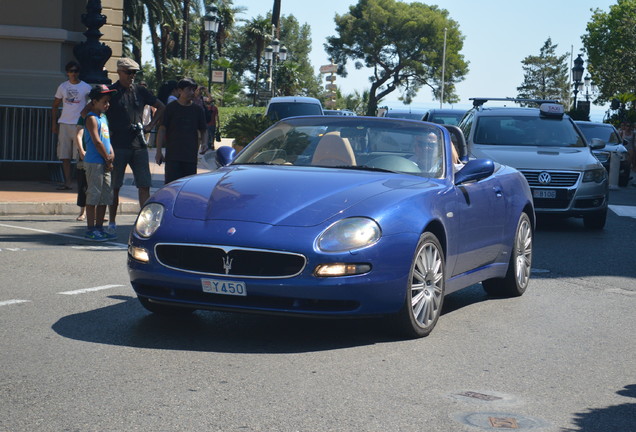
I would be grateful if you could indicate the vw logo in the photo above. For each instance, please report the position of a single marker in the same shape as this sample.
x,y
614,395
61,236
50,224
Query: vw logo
x,y
545,178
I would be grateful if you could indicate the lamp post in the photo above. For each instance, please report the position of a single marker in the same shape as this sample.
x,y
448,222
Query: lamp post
x,y
273,53
577,74
590,88
211,24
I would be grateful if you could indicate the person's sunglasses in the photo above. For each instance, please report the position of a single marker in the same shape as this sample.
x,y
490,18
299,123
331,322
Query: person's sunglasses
x,y
73,70
129,72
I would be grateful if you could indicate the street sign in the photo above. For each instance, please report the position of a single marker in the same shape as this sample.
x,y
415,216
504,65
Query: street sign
x,y
331,87
330,103
330,68
218,76
264,95
331,78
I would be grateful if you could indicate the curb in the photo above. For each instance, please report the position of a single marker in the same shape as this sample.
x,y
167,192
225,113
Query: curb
x,y
66,208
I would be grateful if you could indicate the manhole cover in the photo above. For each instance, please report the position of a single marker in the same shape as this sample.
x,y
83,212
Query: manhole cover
x,y
479,396
500,421
486,397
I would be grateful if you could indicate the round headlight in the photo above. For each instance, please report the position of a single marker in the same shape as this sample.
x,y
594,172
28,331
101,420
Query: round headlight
x,y
348,234
149,220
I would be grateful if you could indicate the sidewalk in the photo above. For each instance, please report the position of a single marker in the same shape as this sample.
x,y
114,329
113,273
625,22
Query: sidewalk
x,y
42,198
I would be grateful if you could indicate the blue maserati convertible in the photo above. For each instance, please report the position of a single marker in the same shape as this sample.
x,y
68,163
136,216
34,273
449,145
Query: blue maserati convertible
x,y
336,216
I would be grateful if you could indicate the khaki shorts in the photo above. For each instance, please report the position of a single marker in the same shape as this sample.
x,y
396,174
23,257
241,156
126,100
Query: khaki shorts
x,y
66,141
98,189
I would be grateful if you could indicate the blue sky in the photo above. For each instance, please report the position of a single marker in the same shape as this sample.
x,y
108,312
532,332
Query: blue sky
x,y
499,34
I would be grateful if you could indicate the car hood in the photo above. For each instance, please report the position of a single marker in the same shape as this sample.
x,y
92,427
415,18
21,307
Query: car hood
x,y
293,196
534,157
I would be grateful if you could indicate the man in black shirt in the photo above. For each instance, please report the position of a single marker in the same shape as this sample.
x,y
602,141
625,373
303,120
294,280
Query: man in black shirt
x,y
125,117
182,131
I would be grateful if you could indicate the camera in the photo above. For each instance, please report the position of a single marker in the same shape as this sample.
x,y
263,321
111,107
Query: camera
x,y
138,130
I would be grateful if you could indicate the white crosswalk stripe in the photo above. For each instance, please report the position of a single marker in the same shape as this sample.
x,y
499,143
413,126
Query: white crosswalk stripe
x,y
627,211
87,290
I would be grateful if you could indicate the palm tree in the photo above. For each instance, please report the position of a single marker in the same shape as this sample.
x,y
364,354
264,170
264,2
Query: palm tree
x,y
257,32
155,13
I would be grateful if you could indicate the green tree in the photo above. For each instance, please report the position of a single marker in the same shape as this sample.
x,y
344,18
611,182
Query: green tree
x,y
545,76
295,76
139,12
610,45
402,43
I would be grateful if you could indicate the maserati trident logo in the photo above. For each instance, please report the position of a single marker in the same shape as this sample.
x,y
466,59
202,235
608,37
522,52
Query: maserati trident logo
x,y
227,264
545,178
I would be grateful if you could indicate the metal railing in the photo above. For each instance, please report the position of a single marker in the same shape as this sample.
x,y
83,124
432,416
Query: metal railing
x,y
25,134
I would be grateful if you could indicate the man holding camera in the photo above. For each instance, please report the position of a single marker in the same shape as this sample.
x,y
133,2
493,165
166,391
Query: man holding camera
x,y
125,117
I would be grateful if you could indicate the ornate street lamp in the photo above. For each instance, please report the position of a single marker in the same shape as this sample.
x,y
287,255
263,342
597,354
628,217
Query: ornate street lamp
x,y
211,23
92,54
273,53
577,74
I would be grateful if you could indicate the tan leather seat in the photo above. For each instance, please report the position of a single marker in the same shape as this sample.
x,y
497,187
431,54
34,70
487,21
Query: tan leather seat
x,y
333,150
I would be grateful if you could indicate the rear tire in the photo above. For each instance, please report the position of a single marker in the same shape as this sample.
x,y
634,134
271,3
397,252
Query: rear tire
x,y
515,282
164,310
595,221
424,291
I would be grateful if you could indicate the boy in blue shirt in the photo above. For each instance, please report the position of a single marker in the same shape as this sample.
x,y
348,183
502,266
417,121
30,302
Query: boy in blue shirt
x,y
98,163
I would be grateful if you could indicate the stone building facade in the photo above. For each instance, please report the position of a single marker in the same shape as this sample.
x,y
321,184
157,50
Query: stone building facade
x,y
37,39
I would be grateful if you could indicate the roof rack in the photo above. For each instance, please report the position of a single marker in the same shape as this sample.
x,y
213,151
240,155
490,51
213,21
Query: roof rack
x,y
477,102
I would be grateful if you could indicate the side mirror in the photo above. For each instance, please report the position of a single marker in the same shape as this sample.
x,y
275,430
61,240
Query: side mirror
x,y
475,170
597,144
225,155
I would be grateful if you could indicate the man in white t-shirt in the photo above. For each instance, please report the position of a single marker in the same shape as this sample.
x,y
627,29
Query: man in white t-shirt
x,y
73,94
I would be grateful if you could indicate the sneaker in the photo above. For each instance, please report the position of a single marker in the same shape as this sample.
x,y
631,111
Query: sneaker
x,y
108,235
95,235
111,229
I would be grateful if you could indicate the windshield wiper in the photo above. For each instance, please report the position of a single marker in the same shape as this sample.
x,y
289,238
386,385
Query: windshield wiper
x,y
364,168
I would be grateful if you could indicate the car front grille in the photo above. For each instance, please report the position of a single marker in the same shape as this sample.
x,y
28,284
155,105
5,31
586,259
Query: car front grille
x,y
230,261
560,179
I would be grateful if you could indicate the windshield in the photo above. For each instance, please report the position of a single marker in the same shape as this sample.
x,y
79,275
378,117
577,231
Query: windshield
x,y
278,111
351,143
404,115
604,132
527,131
446,118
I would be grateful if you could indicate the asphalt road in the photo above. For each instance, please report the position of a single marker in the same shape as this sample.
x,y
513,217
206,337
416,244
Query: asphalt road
x,y
78,352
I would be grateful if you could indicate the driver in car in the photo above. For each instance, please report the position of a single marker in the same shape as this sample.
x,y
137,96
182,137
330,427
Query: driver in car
x,y
427,157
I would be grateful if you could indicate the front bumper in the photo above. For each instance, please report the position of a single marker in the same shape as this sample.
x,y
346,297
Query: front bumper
x,y
378,292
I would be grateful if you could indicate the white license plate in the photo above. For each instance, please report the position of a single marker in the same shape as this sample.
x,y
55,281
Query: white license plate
x,y
224,287
544,193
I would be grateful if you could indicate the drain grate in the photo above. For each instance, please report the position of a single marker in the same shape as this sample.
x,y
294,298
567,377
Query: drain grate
x,y
503,422
479,396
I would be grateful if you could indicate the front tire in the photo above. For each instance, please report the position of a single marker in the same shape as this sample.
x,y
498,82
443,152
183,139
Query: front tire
x,y
595,221
517,277
425,289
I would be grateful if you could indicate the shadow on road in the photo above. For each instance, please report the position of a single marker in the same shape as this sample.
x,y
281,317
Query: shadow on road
x,y
128,324
614,418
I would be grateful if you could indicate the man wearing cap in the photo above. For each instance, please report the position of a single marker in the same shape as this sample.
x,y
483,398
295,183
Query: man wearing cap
x,y
125,118
182,131
73,95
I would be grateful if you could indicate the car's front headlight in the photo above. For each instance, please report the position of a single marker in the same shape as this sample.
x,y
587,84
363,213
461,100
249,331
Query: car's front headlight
x,y
595,175
149,220
348,234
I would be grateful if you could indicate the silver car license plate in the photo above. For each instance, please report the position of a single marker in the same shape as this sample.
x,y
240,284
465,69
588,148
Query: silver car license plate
x,y
224,287
544,193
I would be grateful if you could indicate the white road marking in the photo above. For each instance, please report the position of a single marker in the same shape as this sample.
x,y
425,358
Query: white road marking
x,y
58,234
117,247
537,270
628,211
86,290
10,302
